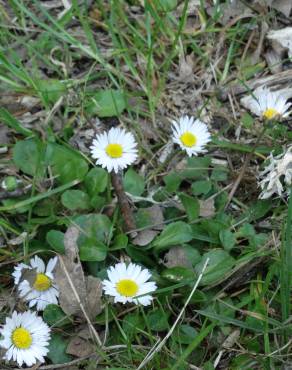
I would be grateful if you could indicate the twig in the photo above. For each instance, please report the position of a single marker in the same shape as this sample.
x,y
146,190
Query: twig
x,y
124,204
160,343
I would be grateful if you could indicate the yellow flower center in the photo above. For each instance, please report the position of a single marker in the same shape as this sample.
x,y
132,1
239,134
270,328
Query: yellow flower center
x,y
127,287
42,282
188,139
270,113
114,150
21,338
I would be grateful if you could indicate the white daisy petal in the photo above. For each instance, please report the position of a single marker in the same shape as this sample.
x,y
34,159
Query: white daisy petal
x,y
44,290
114,150
51,264
190,134
268,104
127,282
26,343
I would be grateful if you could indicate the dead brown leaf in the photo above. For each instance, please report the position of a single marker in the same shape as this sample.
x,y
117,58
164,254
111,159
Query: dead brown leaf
x,y
80,347
176,256
156,219
274,61
7,300
207,208
145,237
186,68
94,293
29,275
88,290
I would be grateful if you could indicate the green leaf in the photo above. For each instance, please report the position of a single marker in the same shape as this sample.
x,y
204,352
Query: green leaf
x,y
66,164
158,320
166,5
175,233
220,262
258,210
178,274
191,205
139,255
96,181
93,226
132,324
197,168
219,173
246,231
185,334
201,187
92,250
56,240
106,103
120,242
28,156
133,182
172,182
75,199
53,315
228,239
57,349
50,90
95,230
247,120
13,123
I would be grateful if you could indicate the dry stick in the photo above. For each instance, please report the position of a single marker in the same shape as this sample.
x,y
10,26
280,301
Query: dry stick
x,y
124,204
159,344
80,303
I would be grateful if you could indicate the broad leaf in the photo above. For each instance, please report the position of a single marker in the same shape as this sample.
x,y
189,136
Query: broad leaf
x,y
106,103
174,233
75,199
66,164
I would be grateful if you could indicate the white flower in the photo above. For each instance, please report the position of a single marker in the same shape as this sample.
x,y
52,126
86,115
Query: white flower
x,y
25,337
190,134
114,150
277,174
127,282
42,290
268,104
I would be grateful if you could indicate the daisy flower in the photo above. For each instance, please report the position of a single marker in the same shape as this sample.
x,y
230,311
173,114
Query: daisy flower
x,y
190,134
25,337
114,150
127,282
41,290
268,104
